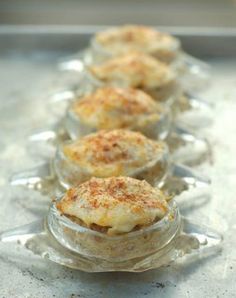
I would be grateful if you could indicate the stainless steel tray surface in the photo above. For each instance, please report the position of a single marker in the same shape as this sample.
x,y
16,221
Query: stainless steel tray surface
x,y
27,74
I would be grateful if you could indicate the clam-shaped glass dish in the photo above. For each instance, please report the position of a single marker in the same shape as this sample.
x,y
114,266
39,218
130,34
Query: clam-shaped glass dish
x,y
110,153
164,47
114,108
178,110
140,231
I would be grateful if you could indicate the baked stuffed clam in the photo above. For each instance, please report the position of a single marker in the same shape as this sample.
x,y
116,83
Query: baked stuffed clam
x,y
111,153
117,40
110,108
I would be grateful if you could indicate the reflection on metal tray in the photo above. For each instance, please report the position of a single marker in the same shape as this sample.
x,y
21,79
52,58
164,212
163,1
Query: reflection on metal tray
x,y
27,73
200,42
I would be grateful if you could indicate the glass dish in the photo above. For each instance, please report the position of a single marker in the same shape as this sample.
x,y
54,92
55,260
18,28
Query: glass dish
x,y
61,173
185,147
186,102
71,174
62,241
200,112
157,129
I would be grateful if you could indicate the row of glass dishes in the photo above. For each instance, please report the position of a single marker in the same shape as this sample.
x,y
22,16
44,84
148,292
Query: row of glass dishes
x,y
122,126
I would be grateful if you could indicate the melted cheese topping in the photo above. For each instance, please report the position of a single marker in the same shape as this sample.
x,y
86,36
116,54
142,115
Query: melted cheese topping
x,y
130,37
114,153
135,70
118,204
111,108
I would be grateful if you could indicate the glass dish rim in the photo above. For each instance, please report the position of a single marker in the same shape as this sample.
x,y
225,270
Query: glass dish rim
x,y
173,212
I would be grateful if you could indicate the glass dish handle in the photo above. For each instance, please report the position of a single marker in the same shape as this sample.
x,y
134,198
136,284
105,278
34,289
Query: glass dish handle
x,y
187,148
189,176
197,240
196,102
181,178
63,95
46,135
194,241
185,135
76,62
38,178
194,112
195,64
43,142
23,233
195,73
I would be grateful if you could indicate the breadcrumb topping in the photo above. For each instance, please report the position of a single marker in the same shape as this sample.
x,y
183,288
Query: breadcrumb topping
x,y
133,69
113,153
133,37
112,107
119,204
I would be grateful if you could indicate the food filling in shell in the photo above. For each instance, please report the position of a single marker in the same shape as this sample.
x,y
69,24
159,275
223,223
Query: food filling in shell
x,y
114,205
132,37
133,69
114,153
113,107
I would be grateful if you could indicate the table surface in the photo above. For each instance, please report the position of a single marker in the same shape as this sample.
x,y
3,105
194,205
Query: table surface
x,y
25,81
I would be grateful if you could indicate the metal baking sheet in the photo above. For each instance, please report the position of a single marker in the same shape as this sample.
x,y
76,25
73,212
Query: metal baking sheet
x,y
28,73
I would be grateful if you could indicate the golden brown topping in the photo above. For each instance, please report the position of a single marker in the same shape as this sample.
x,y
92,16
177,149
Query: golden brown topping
x,y
133,69
113,153
130,37
112,107
118,203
